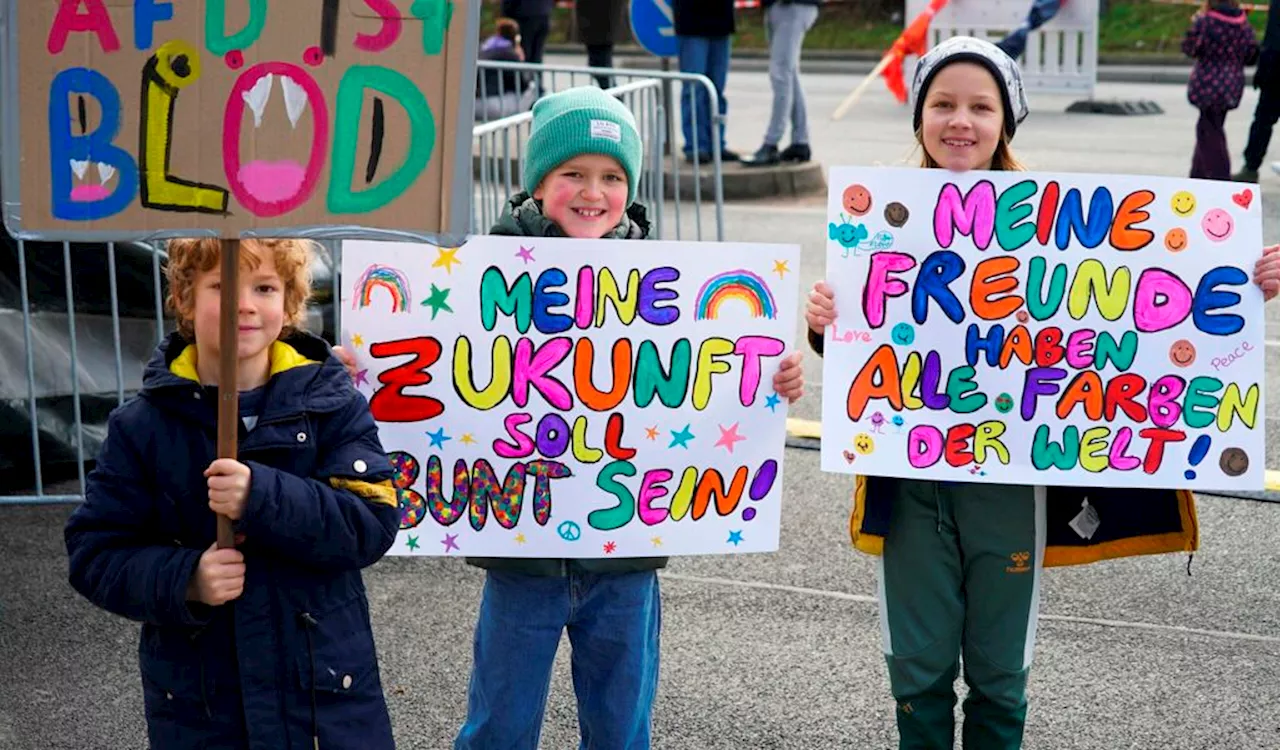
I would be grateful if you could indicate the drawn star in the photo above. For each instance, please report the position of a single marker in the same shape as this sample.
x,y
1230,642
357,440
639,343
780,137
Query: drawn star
x,y
447,258
525,254
729,437
772,402
735,538
437,301
412,543
438,438
657,541
681,438
651,433
609,547
361,377
466,439
357,340
780,268
450,543
520,539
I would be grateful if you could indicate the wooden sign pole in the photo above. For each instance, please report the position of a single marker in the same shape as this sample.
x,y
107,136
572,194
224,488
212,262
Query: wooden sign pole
x,y
228,394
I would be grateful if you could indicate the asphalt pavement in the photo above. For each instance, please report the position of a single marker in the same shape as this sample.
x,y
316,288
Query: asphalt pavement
x,y
781,650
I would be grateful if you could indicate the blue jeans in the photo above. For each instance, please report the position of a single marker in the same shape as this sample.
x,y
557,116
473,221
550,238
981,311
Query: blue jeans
x,y
613,621
708,55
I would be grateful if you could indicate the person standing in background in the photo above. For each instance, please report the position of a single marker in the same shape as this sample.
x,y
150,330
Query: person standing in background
x,y
534,19
1266,79
704,30
1222,43
786,23
502,93
601,24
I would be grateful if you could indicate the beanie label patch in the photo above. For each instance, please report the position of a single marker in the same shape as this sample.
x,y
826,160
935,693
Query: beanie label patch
x,y
611,131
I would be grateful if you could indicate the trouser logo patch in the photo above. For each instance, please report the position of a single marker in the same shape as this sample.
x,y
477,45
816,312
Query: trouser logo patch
x,y
1021,563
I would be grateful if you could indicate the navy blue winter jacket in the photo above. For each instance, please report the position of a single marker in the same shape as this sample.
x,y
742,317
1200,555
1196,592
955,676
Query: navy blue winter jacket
x,y
520,9
704,18
291,662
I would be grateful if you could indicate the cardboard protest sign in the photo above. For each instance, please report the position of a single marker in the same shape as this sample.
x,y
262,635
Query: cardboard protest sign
x,y
158,119
1057,329
576,398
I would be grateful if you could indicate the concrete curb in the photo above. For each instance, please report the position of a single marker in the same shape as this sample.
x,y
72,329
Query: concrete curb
x,y
859,67
1164,69
747,183
818,55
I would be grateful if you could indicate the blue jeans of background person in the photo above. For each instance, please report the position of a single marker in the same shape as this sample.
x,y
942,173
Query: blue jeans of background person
x,y
786,24
708,55
613,622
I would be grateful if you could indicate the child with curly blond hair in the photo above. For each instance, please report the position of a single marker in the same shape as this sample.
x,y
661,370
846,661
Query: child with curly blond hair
x,y
267,644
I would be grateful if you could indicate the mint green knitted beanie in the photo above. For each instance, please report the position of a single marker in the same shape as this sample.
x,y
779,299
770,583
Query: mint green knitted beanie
x,y
582,120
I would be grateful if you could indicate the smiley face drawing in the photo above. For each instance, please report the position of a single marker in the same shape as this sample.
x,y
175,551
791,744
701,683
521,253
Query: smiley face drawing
x,y
857,200
903,334
1182,353
863,444
1218,225
1004,403
1234,462
896,214
1175,240
1183,203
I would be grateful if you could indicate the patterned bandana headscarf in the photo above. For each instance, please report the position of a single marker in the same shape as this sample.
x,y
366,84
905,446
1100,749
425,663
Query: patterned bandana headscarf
x,y
969,49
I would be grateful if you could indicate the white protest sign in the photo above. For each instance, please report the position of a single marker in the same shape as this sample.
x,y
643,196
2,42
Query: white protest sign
x,y
1058,329
576,398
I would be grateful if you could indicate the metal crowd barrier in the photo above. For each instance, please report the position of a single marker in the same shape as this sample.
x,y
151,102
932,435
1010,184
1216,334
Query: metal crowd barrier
x,y
80,348
74,358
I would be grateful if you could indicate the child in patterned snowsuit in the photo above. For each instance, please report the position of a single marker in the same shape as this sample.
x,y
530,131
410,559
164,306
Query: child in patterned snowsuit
x,y
1222,43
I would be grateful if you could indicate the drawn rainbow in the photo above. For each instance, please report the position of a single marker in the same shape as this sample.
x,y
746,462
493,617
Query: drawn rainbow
x,y
382,277
739,285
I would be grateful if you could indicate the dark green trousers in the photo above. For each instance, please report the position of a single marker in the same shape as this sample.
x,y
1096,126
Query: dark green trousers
x,y
960,584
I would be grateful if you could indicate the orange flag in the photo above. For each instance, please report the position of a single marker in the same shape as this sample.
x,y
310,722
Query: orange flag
x,y
912,41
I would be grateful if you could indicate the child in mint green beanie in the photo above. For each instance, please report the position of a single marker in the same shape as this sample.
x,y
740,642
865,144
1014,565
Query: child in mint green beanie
x,y
583,162
581,169
580,175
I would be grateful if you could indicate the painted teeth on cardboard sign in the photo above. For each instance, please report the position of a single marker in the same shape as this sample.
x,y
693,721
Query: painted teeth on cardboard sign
x,y
256,97
295,99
